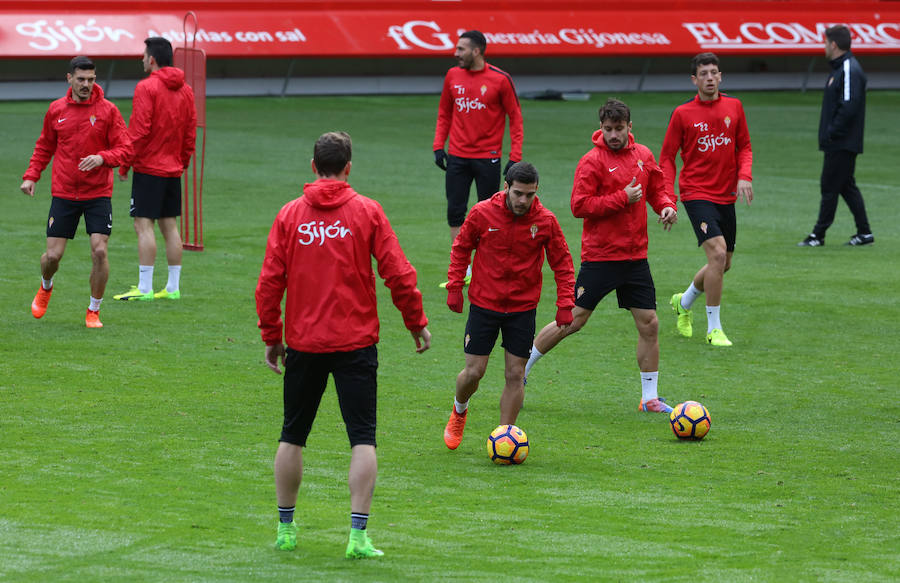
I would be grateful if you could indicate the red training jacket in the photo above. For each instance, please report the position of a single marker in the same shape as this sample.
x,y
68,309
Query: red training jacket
x,y
715,148
615,230
163,124
473,110
509,254
320,250
73,130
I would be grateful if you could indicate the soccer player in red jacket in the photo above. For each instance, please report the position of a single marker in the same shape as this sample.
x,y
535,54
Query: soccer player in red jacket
x,y
510,234
476,100
86,137
319,253
612,183
163,128
711,132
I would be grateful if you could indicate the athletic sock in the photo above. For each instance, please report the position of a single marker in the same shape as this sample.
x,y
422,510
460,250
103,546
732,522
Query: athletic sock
x,y
532,359
689,295
712,318
145,279
469,271
460,407
95,304
648,385
286,514
47,283
174,278
358,520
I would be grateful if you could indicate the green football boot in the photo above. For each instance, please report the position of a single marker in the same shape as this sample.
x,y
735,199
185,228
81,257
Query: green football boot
x,y
717,338
287,536
685,321
165,294
360,547
135,295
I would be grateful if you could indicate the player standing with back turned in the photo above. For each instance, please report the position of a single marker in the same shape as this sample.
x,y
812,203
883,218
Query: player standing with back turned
x,y
711,132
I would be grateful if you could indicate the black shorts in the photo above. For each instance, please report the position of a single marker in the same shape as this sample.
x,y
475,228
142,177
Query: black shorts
x,y
65,214
631,280
355,379
712,220
155,197
460,173
483,326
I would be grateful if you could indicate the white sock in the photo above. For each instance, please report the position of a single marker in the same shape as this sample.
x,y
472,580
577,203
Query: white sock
x,y
174,278
712,318
689,295
532,359
46,283
460,407
145,278
95,304
648,385
469,271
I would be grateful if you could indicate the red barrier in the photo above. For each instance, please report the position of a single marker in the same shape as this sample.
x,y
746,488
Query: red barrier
x,y
415,28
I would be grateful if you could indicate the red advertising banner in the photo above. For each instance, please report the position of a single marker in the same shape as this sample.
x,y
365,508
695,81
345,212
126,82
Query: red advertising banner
x,y
417,28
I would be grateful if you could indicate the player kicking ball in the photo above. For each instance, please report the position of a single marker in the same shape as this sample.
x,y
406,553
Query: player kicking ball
x,y
609,191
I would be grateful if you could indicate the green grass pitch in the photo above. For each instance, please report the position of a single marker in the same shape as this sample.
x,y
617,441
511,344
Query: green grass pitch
x,y
143,451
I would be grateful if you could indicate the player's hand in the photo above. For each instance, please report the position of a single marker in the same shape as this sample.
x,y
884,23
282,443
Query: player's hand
x,y
440,158
509,165
634,191
455,300
123,175
668,217
88,163
563,317
28,187
423,340
745,191
274,353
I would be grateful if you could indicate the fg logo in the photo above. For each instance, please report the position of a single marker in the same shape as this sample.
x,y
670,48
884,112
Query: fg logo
x,y
420,33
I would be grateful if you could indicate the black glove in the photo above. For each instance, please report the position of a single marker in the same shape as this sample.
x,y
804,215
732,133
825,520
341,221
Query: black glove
x,y
440,158
508,166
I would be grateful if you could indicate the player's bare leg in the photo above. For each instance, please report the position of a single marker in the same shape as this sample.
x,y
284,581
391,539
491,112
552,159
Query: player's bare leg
x,y
288,475
647,325
363,471
710,280
99,264
56,246
551,335
513,390
466,384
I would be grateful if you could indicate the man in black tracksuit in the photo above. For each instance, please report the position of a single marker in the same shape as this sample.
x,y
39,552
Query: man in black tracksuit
x,y
841,138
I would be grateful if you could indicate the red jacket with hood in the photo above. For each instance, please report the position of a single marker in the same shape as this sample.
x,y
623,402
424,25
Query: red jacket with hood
x,y
73,130
509,254
163,124
615,230
320,250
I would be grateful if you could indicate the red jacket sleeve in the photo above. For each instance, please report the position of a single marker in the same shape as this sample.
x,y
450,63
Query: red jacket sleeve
x,y
445,115
516,125
120,149
271,285
189,145
671,145
461,250
560,260
656,195
744,151
398,274
585,200
44,149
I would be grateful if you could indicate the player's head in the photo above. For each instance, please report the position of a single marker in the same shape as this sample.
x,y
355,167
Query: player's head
x,y
331,155
837,41
81,76
157,53
470,50
706,76
615,123
521,187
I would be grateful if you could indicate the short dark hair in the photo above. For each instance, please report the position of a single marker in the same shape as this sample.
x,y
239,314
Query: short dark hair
x,y
160,49
615,110
523,173
839,35
332,152
477,38
703,59
84,63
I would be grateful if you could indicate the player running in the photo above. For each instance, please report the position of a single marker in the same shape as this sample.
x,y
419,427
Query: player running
x,y
612,183
711,132
510,234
